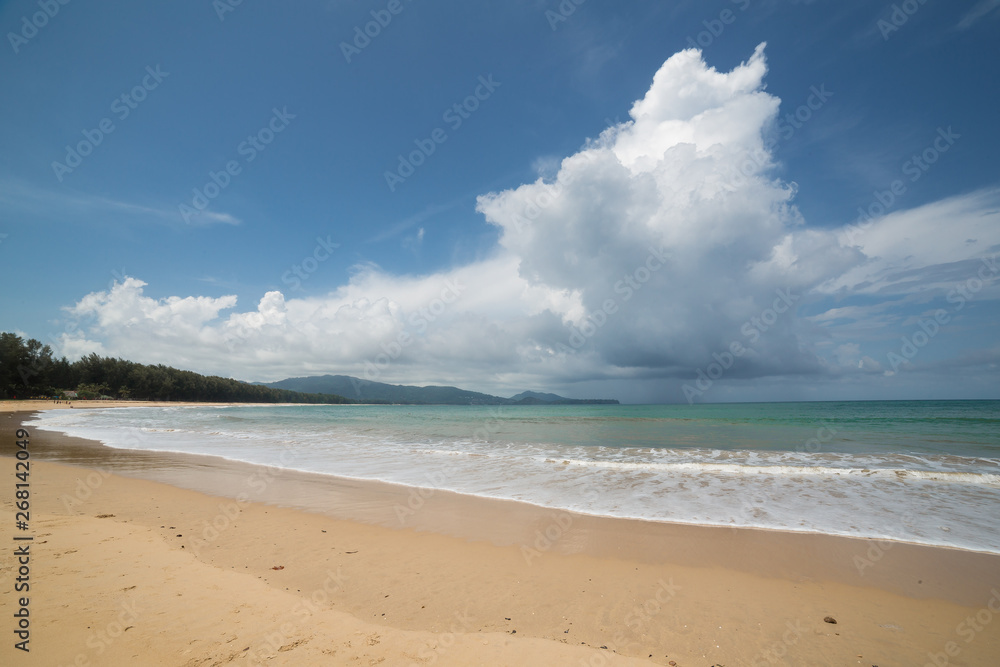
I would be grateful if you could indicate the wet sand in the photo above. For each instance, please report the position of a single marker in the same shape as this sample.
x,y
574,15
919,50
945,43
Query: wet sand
x,y
377,572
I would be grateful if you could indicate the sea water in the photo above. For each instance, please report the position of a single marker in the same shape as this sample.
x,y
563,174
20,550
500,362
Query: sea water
x,y
923,471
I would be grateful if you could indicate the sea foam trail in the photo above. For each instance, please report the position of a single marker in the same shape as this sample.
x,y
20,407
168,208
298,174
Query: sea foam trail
x,y
801,469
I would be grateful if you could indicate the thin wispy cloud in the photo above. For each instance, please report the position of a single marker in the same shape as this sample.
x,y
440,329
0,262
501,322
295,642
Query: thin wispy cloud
x,y
429,212
207,217
982,10
80,207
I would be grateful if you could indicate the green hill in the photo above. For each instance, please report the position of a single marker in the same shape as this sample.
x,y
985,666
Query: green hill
x,y
28,370
367,391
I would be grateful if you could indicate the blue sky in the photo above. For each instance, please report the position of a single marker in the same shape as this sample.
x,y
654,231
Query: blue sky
x,y
206,88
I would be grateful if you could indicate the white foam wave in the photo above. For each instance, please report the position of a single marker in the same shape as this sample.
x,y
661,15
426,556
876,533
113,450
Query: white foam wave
x,y
926,498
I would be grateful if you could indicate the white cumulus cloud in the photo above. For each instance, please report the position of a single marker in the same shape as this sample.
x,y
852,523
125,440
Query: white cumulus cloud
x,y
642,256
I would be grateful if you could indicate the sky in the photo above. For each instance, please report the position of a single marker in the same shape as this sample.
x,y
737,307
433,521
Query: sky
x,y
727,200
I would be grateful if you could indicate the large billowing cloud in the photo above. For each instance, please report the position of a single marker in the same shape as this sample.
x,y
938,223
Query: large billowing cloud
x,y
664,249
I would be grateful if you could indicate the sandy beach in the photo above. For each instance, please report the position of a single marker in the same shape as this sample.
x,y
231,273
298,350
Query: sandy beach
x,y
157,559
41,404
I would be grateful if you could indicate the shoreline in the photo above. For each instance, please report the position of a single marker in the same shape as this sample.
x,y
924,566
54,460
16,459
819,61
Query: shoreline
x,y
38,405
406,490
736,588
341,480
771,552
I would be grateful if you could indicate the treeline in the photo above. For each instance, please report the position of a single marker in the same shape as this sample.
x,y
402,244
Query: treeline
x,y
29,370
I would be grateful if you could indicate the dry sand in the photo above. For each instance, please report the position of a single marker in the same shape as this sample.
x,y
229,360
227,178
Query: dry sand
x,y
459,581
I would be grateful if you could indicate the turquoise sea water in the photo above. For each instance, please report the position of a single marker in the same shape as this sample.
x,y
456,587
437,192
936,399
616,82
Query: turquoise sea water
x,y
922,471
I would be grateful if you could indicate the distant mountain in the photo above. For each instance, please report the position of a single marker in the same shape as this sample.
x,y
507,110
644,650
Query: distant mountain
x,y
538,398
380,392
544,398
